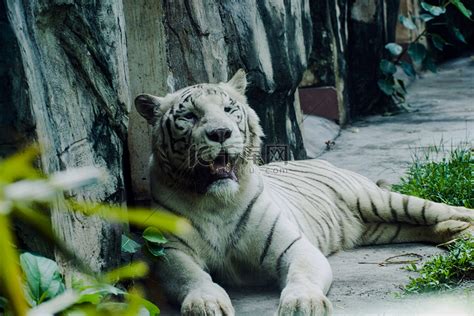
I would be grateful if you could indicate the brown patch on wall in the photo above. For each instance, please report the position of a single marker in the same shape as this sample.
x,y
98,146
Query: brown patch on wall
x,y
321,101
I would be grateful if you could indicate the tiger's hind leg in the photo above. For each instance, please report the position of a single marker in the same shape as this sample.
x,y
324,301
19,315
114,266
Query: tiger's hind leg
x,y
382,206
386,233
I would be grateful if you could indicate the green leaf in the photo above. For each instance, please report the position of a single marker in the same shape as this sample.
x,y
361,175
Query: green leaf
x,y
407,22
153,235
467,13
429,64
417,52
94,294
394,49
129,245
135,216
130,271
434,10
385,86
387,67
438,41
42,276
3,303
458,34
19,166
425,17
149,306
408,69
156,250
10,272
57,304
401,83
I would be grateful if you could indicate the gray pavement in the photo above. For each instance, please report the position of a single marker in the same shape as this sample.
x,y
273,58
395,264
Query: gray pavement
x,y
381,147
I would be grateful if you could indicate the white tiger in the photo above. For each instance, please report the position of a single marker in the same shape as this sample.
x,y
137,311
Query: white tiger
x,y
274,223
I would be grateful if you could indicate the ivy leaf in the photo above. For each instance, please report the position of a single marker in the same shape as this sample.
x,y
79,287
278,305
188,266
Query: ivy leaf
x,y
434,10
408,69
401,83
3,303
42,276
407,22
144,306
387,67
133,270
429,64
467,13
94,294
385,86
129,245
394,49
438,41
425,17
417,52
153,235
458,34
156,250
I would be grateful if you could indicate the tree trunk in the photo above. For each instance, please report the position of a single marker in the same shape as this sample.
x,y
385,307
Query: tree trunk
x,y
211,40
74,57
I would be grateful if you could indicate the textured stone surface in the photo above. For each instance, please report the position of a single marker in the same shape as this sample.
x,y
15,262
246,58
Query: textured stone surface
x,y
348,43
318,134
327,65
74,57
16,124
148,70
270,39
371,25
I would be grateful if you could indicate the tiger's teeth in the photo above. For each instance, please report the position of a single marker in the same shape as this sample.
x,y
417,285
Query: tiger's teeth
x,y
228,167
213,169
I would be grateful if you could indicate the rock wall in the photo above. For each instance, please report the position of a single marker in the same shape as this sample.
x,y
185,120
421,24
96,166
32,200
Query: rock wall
x,y
16,123
73,54
71,68
327,65
349,40
271,40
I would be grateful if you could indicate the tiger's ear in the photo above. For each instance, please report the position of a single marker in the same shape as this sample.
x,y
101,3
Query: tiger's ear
x,y
239,81
147,105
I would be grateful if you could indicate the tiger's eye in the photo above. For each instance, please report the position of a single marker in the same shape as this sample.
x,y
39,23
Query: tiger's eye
x,y
227,109
190,116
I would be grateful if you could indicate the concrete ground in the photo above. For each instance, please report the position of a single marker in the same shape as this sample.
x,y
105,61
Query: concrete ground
x,y
380,147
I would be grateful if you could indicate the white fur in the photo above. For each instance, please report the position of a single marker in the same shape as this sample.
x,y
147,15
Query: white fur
x,y
277,223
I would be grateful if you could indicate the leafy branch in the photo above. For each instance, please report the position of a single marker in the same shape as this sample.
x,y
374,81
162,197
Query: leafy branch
x,y
394,86
22,189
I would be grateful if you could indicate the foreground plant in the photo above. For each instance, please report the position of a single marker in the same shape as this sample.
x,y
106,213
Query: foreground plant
x,y
443,272
449,180
22,187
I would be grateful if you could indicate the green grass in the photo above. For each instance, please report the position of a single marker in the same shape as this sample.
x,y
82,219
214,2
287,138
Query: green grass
x,y
448,180
443,272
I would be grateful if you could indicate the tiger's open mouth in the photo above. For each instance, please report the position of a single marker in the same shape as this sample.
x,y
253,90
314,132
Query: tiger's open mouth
x,y
222,167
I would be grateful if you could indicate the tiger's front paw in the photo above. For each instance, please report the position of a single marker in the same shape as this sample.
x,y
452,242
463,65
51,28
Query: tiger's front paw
x,y
304,300
207,300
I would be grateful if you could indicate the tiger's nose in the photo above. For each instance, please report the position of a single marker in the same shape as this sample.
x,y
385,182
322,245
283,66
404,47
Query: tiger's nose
x,y
219,135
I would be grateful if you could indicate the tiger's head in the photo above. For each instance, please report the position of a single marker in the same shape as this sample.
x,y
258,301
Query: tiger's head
x,y
202,135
